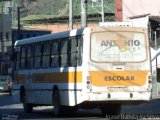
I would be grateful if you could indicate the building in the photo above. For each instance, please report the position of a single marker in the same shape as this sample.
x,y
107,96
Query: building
x,y
58,24
8,36
118,11
140,7
125,9
5,38
144,12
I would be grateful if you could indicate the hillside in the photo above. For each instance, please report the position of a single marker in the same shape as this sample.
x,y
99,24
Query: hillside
x,y
50,8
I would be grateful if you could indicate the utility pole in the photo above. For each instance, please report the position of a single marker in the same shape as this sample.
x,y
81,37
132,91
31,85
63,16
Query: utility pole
x,y
17,5
19,25
84,13
102,12
70,14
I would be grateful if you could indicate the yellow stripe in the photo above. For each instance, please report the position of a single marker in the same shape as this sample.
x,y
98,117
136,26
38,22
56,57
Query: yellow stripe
x,y
19,79
56,77
99,78
118,78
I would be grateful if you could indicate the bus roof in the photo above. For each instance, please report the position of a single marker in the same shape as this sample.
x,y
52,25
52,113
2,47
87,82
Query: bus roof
x,y
48,37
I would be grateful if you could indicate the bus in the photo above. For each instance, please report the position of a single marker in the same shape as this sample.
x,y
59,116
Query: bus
x,y
102,67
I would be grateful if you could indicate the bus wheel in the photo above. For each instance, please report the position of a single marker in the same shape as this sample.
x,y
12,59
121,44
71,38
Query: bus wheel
x,y
110,109
56,103
26,106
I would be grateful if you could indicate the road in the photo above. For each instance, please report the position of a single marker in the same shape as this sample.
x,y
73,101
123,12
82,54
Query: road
x,y
11,111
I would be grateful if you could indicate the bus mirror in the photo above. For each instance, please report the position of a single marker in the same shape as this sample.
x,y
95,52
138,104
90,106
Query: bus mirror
x,y
16,49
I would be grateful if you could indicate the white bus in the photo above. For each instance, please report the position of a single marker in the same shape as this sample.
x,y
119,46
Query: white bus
x,y
101,67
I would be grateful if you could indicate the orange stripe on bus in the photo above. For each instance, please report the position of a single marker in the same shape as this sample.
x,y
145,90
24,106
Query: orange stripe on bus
x,y
56,77
118,78
19,78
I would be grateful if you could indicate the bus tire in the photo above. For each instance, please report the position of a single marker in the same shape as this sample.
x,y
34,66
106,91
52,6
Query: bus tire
x,y
28,108
110,109
57,103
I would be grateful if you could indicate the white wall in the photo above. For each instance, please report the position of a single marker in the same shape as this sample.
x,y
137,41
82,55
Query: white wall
x,y
140,22
138,7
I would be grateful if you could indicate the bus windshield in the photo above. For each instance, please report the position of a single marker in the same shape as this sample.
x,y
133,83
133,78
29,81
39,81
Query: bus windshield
x,y
118,46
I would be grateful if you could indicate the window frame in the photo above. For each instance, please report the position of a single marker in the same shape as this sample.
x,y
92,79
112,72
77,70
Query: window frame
x,y
37,56
46,54
23,57
55,54
31,56
62,53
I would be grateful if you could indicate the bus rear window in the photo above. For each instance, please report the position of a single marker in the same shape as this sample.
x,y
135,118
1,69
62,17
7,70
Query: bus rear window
x,y
118,47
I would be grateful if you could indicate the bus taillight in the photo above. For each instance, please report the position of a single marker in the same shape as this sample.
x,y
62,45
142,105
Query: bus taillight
x,y
149,79
88,82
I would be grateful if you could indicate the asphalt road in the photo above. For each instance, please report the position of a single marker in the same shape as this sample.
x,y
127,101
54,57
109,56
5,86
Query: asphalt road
x,y
11,111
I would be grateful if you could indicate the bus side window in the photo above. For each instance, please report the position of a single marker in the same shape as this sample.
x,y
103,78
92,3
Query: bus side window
x,y
80,50
73,53
37,56
54,54
64,53
30,57
23,58
17,60
46,55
